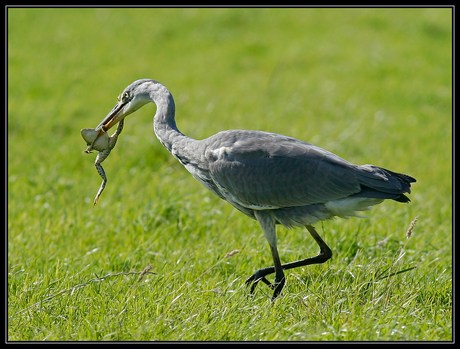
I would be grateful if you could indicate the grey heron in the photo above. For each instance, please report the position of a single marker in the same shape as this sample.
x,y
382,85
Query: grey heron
x,y
272,178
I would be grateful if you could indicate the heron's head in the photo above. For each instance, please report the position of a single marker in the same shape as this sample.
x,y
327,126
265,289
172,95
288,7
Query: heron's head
x,y
131,99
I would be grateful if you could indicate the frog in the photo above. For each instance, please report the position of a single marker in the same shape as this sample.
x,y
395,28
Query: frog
x,y
99,139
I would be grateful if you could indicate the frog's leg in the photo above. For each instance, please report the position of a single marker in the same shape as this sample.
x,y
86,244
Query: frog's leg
x,y
101,157
114,137
119,128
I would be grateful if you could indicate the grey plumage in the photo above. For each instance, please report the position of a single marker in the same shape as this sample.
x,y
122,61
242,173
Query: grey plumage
x,y
269,177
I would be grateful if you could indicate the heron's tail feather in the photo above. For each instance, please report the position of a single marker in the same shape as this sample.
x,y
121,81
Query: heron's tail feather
x,y
377,182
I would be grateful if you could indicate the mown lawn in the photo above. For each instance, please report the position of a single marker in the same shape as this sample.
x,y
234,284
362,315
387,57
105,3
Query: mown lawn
x,y
371,85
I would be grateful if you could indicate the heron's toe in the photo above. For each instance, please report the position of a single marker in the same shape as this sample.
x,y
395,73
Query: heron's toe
x,y
259,275
278,287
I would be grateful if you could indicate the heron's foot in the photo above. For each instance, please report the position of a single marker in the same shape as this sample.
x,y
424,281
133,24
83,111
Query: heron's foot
x,y
260,274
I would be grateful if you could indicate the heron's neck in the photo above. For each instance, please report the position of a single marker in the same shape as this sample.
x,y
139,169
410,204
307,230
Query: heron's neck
x,y
164,123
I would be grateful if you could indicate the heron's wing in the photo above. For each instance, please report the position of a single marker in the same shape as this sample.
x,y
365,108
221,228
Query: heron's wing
x,y
260,169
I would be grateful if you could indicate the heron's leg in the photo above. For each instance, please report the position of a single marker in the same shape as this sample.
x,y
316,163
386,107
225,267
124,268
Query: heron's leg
x,y
323,256
268,227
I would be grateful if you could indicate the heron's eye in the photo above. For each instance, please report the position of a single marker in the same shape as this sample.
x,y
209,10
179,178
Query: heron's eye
x,y
125,97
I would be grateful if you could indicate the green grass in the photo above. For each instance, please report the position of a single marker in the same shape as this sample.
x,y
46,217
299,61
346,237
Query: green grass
x,y
372,85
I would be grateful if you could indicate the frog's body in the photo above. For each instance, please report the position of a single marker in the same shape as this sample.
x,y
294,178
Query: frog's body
x,y
101,141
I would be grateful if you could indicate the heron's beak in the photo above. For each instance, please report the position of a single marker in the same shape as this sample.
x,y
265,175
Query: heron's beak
x,y
115,115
